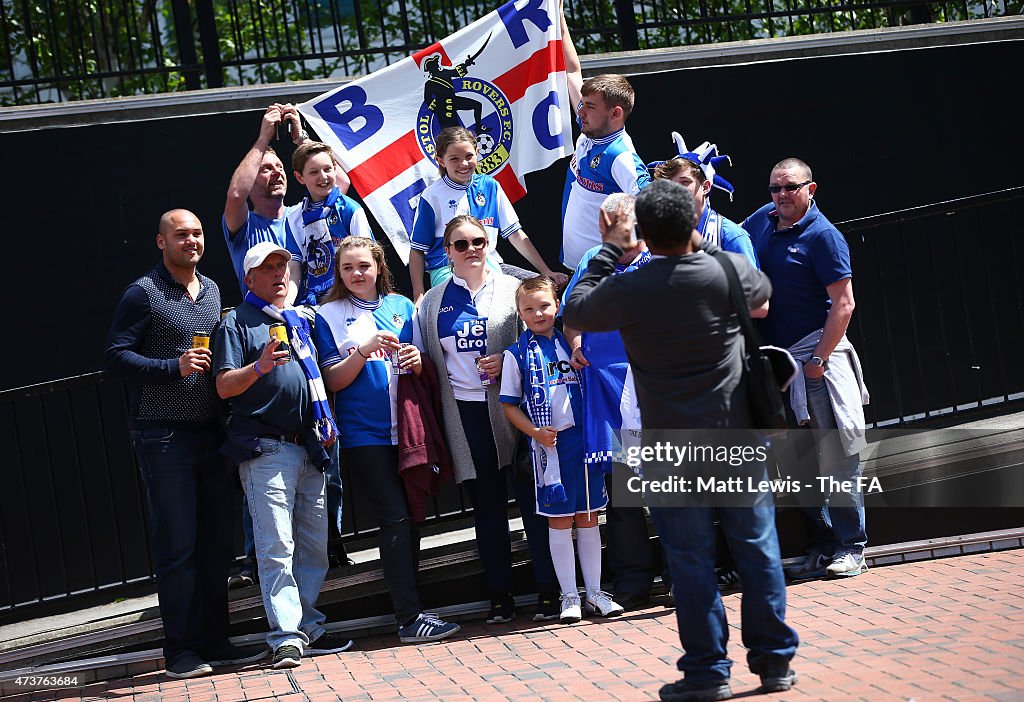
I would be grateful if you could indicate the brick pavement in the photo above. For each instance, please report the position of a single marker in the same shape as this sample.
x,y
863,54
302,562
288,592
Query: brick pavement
x,y
949,629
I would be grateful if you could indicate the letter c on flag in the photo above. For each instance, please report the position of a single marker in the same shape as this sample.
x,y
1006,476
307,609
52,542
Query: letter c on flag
x,y
542,125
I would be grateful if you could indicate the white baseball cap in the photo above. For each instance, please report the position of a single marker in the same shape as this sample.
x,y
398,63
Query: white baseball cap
x,y
258,254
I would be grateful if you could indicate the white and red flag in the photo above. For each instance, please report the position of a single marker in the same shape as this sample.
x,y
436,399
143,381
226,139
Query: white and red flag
x,y
502,76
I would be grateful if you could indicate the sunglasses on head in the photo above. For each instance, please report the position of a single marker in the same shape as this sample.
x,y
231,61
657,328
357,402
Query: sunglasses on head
x,y
791,188
462,245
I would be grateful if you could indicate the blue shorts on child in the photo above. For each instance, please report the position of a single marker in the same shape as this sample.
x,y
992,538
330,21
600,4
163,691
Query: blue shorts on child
x,y
584,488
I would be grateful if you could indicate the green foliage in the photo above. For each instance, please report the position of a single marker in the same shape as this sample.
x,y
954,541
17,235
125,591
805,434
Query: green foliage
x,y
79,47
59,50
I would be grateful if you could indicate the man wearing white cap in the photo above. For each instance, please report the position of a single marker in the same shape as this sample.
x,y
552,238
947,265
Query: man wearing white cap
x,y
280,426
261,180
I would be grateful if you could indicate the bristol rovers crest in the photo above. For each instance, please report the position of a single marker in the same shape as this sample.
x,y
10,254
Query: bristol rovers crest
x,y
450,96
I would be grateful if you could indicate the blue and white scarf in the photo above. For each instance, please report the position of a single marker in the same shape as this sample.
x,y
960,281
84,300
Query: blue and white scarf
x,y
298,335
316,211
710,226
611,420
546,469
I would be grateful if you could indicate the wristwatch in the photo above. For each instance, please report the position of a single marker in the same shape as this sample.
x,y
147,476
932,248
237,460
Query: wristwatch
x,y
818,361
303,135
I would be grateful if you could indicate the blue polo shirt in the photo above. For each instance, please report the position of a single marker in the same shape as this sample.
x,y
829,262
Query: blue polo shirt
x,y
280,398
801,262
606,347
256,229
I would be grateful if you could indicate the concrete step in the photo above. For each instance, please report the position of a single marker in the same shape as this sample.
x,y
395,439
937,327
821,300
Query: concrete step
x,y
449,561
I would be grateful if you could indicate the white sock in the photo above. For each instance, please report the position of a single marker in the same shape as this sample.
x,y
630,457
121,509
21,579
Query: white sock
x,y
563,558
588,541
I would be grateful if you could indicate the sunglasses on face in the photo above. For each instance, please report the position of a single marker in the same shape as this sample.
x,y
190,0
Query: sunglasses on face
x,y
791,188
462,245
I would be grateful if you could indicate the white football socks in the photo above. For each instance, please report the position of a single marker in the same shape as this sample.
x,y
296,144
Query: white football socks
x,y
564,559
588,541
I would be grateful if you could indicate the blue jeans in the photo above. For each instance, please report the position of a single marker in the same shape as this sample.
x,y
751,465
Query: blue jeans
x,y
286,500
335,493
187,487
838,517
688,537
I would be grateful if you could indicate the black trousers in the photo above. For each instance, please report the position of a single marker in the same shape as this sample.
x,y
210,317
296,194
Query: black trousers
x,y
374,470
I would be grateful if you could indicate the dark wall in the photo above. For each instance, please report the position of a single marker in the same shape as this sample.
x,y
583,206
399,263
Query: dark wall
x,y
882,132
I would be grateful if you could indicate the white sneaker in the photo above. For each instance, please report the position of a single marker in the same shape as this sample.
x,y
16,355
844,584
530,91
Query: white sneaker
x,y
602,604
846,565
571,612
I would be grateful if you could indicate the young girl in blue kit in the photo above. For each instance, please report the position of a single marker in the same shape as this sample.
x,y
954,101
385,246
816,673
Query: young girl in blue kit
x,y
356,330
537,377
463,191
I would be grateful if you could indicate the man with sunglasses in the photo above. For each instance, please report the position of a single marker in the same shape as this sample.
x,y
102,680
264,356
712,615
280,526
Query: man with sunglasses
x,y
808,262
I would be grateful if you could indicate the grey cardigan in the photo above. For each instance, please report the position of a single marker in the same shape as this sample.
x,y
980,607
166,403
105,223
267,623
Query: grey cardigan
x,y
502,331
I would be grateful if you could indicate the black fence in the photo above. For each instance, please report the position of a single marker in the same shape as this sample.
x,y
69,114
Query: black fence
x,y
61,50
940,313
73,517
938,326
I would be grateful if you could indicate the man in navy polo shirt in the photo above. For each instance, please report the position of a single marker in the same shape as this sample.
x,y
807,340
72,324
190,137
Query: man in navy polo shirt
x,y
176,433
808,262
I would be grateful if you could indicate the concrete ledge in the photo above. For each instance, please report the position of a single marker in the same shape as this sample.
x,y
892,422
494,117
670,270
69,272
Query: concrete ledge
x,y
928,549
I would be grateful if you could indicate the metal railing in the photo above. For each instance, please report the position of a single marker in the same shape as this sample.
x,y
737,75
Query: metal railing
x,y
72,514
939,326
940,316
61,50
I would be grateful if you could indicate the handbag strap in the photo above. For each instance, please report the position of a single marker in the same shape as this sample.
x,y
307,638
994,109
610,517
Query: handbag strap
x,y
739,301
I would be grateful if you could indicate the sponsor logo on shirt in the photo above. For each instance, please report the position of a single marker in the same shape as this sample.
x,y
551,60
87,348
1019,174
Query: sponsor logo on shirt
x,y
590,184
379,355
562,367
471,337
